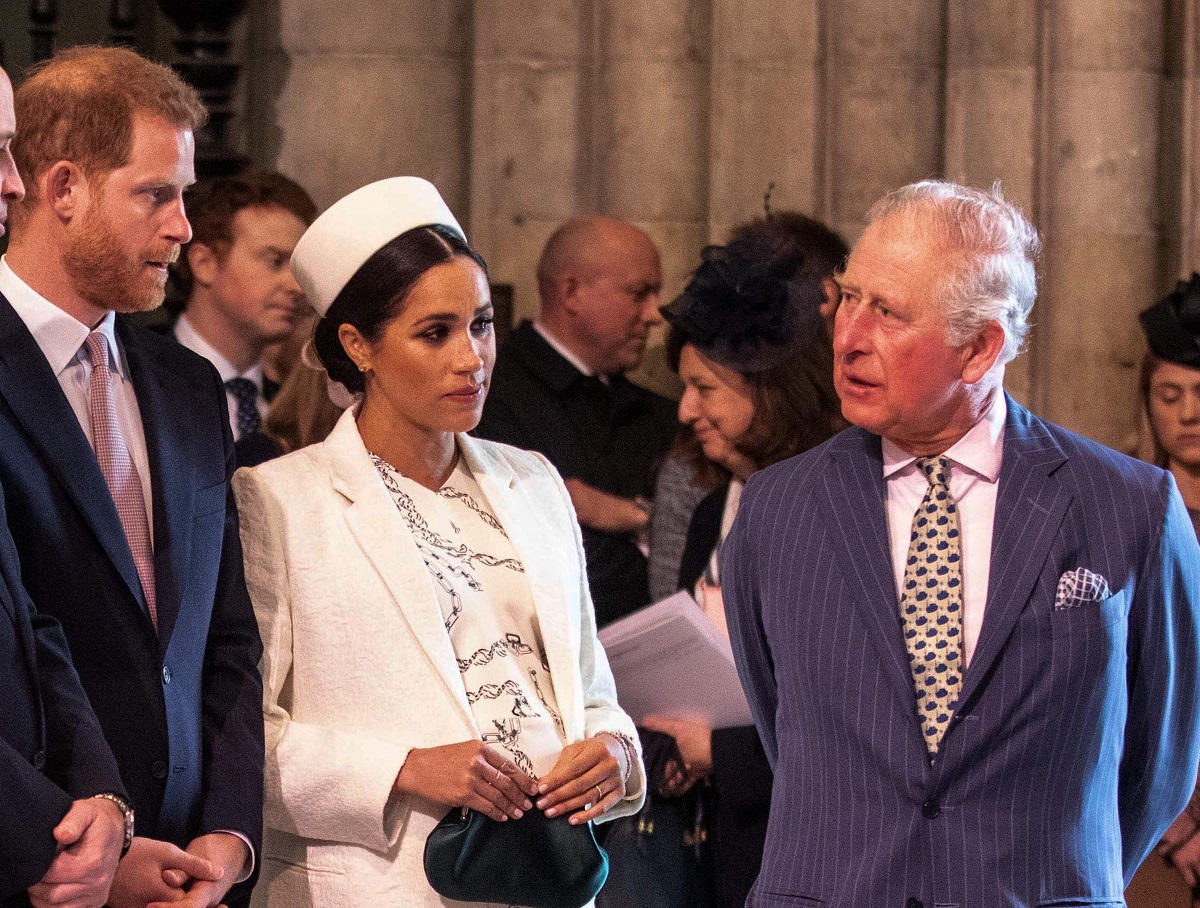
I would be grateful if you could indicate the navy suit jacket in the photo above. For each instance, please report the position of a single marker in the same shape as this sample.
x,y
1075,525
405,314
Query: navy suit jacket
x,y
181,708
1074,744
51,749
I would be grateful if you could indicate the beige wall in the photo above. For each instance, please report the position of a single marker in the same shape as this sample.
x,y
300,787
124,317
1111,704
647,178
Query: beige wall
x,y
677,114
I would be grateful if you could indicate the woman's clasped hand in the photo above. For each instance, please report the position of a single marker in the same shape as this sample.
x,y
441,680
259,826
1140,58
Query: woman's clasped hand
x,y
469,774
587,779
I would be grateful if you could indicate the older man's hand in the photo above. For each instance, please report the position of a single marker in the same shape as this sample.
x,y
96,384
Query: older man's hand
x,y
89,840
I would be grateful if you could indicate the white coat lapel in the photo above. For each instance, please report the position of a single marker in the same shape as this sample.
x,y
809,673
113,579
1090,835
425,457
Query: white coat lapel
x,y
540,546
387,543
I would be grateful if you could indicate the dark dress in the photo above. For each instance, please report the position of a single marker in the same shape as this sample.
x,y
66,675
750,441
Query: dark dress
x,y
704,848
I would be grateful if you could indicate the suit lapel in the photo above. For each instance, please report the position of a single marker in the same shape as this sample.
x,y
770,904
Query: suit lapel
x,y
172,488
521,519
33,393
855,505
385,540
1030,506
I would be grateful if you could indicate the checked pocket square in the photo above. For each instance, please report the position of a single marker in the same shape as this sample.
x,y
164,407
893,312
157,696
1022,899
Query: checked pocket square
x,y
1078,587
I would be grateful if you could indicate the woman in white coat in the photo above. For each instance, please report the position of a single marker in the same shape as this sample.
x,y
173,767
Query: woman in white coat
x,y
429,638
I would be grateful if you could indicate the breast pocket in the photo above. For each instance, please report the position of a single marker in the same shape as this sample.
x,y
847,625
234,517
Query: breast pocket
x,y
1100,617
1088,644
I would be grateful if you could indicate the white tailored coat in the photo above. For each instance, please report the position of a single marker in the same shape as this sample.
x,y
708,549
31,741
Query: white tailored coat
x,y
358,667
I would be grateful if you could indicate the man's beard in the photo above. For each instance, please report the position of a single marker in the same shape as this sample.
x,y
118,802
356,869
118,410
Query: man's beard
x,y
106,277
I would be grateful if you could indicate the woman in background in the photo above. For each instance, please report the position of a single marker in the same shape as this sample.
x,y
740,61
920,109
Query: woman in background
x,y
429,641
1169,416
749,342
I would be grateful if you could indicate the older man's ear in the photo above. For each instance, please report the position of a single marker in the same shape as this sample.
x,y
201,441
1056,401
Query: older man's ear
x,y
982,352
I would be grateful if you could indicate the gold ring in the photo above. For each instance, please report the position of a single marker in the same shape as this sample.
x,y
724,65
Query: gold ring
x,y
599,795
498,775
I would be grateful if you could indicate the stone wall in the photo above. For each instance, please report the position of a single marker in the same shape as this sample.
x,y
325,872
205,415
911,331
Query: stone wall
x,y
678,114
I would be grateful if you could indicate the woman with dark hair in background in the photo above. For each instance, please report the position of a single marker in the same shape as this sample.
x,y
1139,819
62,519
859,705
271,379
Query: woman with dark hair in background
x,y
1169,421
429,641
748,339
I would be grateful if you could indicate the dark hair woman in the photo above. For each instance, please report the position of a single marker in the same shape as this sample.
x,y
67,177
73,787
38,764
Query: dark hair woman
x,y
429,640
1169,418
748,340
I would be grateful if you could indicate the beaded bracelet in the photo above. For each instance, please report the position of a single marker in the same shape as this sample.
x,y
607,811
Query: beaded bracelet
x,y
627,748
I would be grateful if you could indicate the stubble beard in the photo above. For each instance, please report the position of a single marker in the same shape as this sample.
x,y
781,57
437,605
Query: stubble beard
x,y
106,277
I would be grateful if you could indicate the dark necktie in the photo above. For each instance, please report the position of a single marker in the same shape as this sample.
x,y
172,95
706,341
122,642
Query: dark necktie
x,y
118,468
245,396
931,603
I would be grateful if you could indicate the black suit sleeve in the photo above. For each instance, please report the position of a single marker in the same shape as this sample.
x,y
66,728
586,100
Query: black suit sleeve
x,y
32,807
77,761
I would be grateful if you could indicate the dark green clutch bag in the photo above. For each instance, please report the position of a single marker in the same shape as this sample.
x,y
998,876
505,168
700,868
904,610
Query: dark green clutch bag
x,y
534,862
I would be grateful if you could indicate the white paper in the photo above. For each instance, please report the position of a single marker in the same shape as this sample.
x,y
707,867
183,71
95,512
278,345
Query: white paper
x,y
669,659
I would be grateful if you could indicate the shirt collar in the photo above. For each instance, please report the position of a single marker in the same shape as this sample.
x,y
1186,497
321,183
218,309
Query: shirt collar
x,y
59,335
979,451
187,335
563,351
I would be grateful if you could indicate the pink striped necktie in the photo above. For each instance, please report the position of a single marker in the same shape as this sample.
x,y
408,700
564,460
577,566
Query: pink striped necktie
x,y
118,468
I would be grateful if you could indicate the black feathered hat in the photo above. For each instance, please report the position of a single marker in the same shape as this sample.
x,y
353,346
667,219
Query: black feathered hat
x,y
747,305
1172,325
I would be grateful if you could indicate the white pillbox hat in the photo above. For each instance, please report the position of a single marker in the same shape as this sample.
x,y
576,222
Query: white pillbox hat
x,y
357,226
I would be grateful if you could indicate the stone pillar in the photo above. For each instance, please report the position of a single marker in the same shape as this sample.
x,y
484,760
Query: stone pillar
x,y
651,124
1101,219
650,140
377,88
767,122
1180,124
993,112
885,102
531,168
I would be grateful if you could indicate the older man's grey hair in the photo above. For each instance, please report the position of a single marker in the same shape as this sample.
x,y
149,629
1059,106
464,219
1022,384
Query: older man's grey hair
x,y
991,253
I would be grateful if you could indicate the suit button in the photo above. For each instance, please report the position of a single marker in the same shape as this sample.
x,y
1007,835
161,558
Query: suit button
x,y
930,809
39,759
914,903
158,769
166,674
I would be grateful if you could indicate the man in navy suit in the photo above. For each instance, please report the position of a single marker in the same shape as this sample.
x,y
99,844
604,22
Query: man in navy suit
x,y
63,808
115,458
970,638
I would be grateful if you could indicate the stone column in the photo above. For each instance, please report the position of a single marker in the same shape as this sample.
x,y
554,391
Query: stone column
x,y
651,124
531,137
885,107
993,112
1101,219
376,88
650,140
767,121
1180,124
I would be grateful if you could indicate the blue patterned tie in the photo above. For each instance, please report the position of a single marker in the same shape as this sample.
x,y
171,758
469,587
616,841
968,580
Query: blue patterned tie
x,y
245,395
931,603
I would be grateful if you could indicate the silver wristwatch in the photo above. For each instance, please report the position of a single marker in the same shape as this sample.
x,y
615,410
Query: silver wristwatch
x,y
127,810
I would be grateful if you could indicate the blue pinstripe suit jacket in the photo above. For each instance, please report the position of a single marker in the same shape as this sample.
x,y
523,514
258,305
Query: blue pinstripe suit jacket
x,y
1075,741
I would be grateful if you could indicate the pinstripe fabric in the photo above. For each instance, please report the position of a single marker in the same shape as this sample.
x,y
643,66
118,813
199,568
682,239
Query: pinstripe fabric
x,y
1074,743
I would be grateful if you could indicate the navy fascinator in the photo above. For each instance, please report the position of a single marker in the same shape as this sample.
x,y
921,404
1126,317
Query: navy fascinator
x,y
1172,325
747,306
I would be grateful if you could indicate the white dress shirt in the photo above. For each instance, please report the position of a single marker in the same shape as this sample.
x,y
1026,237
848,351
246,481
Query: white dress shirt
x,y
974,479
186,334
61,338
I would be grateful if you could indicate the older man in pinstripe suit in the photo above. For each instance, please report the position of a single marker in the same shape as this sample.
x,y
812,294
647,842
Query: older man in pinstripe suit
x,y
970,638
